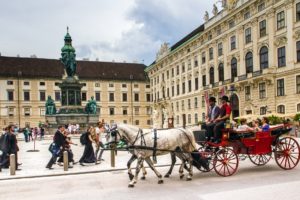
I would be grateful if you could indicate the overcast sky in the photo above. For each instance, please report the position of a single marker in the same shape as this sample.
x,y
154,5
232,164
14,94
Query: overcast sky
x,y
120,30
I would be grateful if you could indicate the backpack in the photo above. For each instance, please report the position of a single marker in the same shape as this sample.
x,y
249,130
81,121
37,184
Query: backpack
x,y
83,138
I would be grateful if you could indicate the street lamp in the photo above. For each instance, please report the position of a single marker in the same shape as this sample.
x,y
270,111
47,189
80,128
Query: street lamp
x,y
131,79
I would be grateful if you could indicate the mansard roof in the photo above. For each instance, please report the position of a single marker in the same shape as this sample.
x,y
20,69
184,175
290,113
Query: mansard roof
x,y
53,68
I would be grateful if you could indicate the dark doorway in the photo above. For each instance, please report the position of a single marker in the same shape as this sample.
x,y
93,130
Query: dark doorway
x,y
234,102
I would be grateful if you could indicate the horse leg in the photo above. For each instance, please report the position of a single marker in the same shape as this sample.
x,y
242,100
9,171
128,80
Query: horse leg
x,y
137,171
190,175
150,163
173,158
144,172
132,159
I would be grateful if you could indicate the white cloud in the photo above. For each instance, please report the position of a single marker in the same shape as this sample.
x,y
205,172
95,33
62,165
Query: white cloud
x,y
109,30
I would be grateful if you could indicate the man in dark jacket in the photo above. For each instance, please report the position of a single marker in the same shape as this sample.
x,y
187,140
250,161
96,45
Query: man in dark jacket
x,y
59,141
4,157
13,143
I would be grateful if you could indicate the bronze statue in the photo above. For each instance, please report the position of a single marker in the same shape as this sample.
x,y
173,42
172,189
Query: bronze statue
x,y
91,106
50,106
68,56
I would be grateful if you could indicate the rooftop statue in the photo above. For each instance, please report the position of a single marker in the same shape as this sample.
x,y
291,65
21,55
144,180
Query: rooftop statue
x,y
68,56
50,106
206,16
91,106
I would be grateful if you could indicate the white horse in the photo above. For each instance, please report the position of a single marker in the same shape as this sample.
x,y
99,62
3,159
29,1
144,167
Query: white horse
x,y
176,141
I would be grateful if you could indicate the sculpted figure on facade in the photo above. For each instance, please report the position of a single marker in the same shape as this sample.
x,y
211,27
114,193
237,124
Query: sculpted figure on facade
x,y
206,16
50,106
155,118
164,48
215,10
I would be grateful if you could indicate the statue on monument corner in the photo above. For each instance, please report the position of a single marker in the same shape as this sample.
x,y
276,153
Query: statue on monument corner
x,y
50,106
91,106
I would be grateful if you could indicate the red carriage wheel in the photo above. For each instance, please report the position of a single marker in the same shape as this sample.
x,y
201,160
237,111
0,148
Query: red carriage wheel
x,y
287,153
226,162
260,160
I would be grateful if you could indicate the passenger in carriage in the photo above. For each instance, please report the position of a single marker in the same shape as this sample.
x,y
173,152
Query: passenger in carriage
x,y
212,115
265,125
244,126
218,124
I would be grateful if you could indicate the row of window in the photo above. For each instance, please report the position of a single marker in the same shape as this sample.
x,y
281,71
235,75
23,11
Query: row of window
x,y
57,95
136,111
110,85
248,38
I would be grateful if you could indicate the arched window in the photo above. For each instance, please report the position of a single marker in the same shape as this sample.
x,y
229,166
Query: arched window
x,y
233,68
249,62
221,72
281,109
264,57
211,75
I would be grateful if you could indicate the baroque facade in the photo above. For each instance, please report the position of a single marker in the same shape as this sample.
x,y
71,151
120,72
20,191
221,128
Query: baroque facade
x,y
250,51
122,90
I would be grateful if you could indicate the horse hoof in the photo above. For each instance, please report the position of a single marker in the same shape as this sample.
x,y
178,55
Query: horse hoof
x,y
130,185
181,176
188,179
160,181
167,176
143,178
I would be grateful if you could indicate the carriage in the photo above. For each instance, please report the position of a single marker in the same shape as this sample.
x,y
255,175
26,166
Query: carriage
x,y
258,147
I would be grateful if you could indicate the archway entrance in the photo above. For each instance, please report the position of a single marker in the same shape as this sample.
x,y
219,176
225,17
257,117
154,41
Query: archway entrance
x,y
234,102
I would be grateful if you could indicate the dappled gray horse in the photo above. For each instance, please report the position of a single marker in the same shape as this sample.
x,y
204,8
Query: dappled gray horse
x,y
171,140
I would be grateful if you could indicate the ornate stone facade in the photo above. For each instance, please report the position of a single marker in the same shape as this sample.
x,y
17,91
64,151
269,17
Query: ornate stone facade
x,y
250,51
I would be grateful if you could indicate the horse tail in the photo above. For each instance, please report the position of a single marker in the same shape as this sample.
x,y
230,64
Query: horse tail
x,y
191,138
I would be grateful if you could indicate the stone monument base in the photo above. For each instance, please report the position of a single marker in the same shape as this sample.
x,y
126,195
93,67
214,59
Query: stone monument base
x,y
84,121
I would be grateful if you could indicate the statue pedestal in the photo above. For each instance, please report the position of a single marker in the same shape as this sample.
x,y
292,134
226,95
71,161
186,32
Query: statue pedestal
x,y
84,121
71,92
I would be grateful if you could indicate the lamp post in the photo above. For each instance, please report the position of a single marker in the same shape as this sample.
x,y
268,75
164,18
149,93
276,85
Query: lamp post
x,y
131,93
18,89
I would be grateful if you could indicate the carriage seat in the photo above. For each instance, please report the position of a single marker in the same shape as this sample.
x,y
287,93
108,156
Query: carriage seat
x,y
238,134
279,129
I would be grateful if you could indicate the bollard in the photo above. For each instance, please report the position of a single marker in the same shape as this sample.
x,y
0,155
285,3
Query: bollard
x,y
12,164
112,157
66,161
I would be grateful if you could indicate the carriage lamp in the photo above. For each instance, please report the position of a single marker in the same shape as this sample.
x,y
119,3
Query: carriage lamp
x,y
225,136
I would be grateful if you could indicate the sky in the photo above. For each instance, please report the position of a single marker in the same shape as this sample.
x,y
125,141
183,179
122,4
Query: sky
x,y
106,30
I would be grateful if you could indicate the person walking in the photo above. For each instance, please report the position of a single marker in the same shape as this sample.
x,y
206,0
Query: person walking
x,y
88,153
4,157
57,146
100,129
13,144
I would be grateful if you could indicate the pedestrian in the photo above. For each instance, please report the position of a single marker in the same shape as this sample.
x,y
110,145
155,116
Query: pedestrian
x,y
30,134
67,147
13,144
57,146
42,133
100,129
26,133
88,153
4,157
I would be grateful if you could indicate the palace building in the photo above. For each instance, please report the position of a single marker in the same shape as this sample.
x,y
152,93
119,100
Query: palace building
x,y
122,90
250,51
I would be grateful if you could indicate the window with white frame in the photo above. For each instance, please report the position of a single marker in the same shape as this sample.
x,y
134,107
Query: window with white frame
x,y
280,20
262,90
248,38
27,112
189,118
